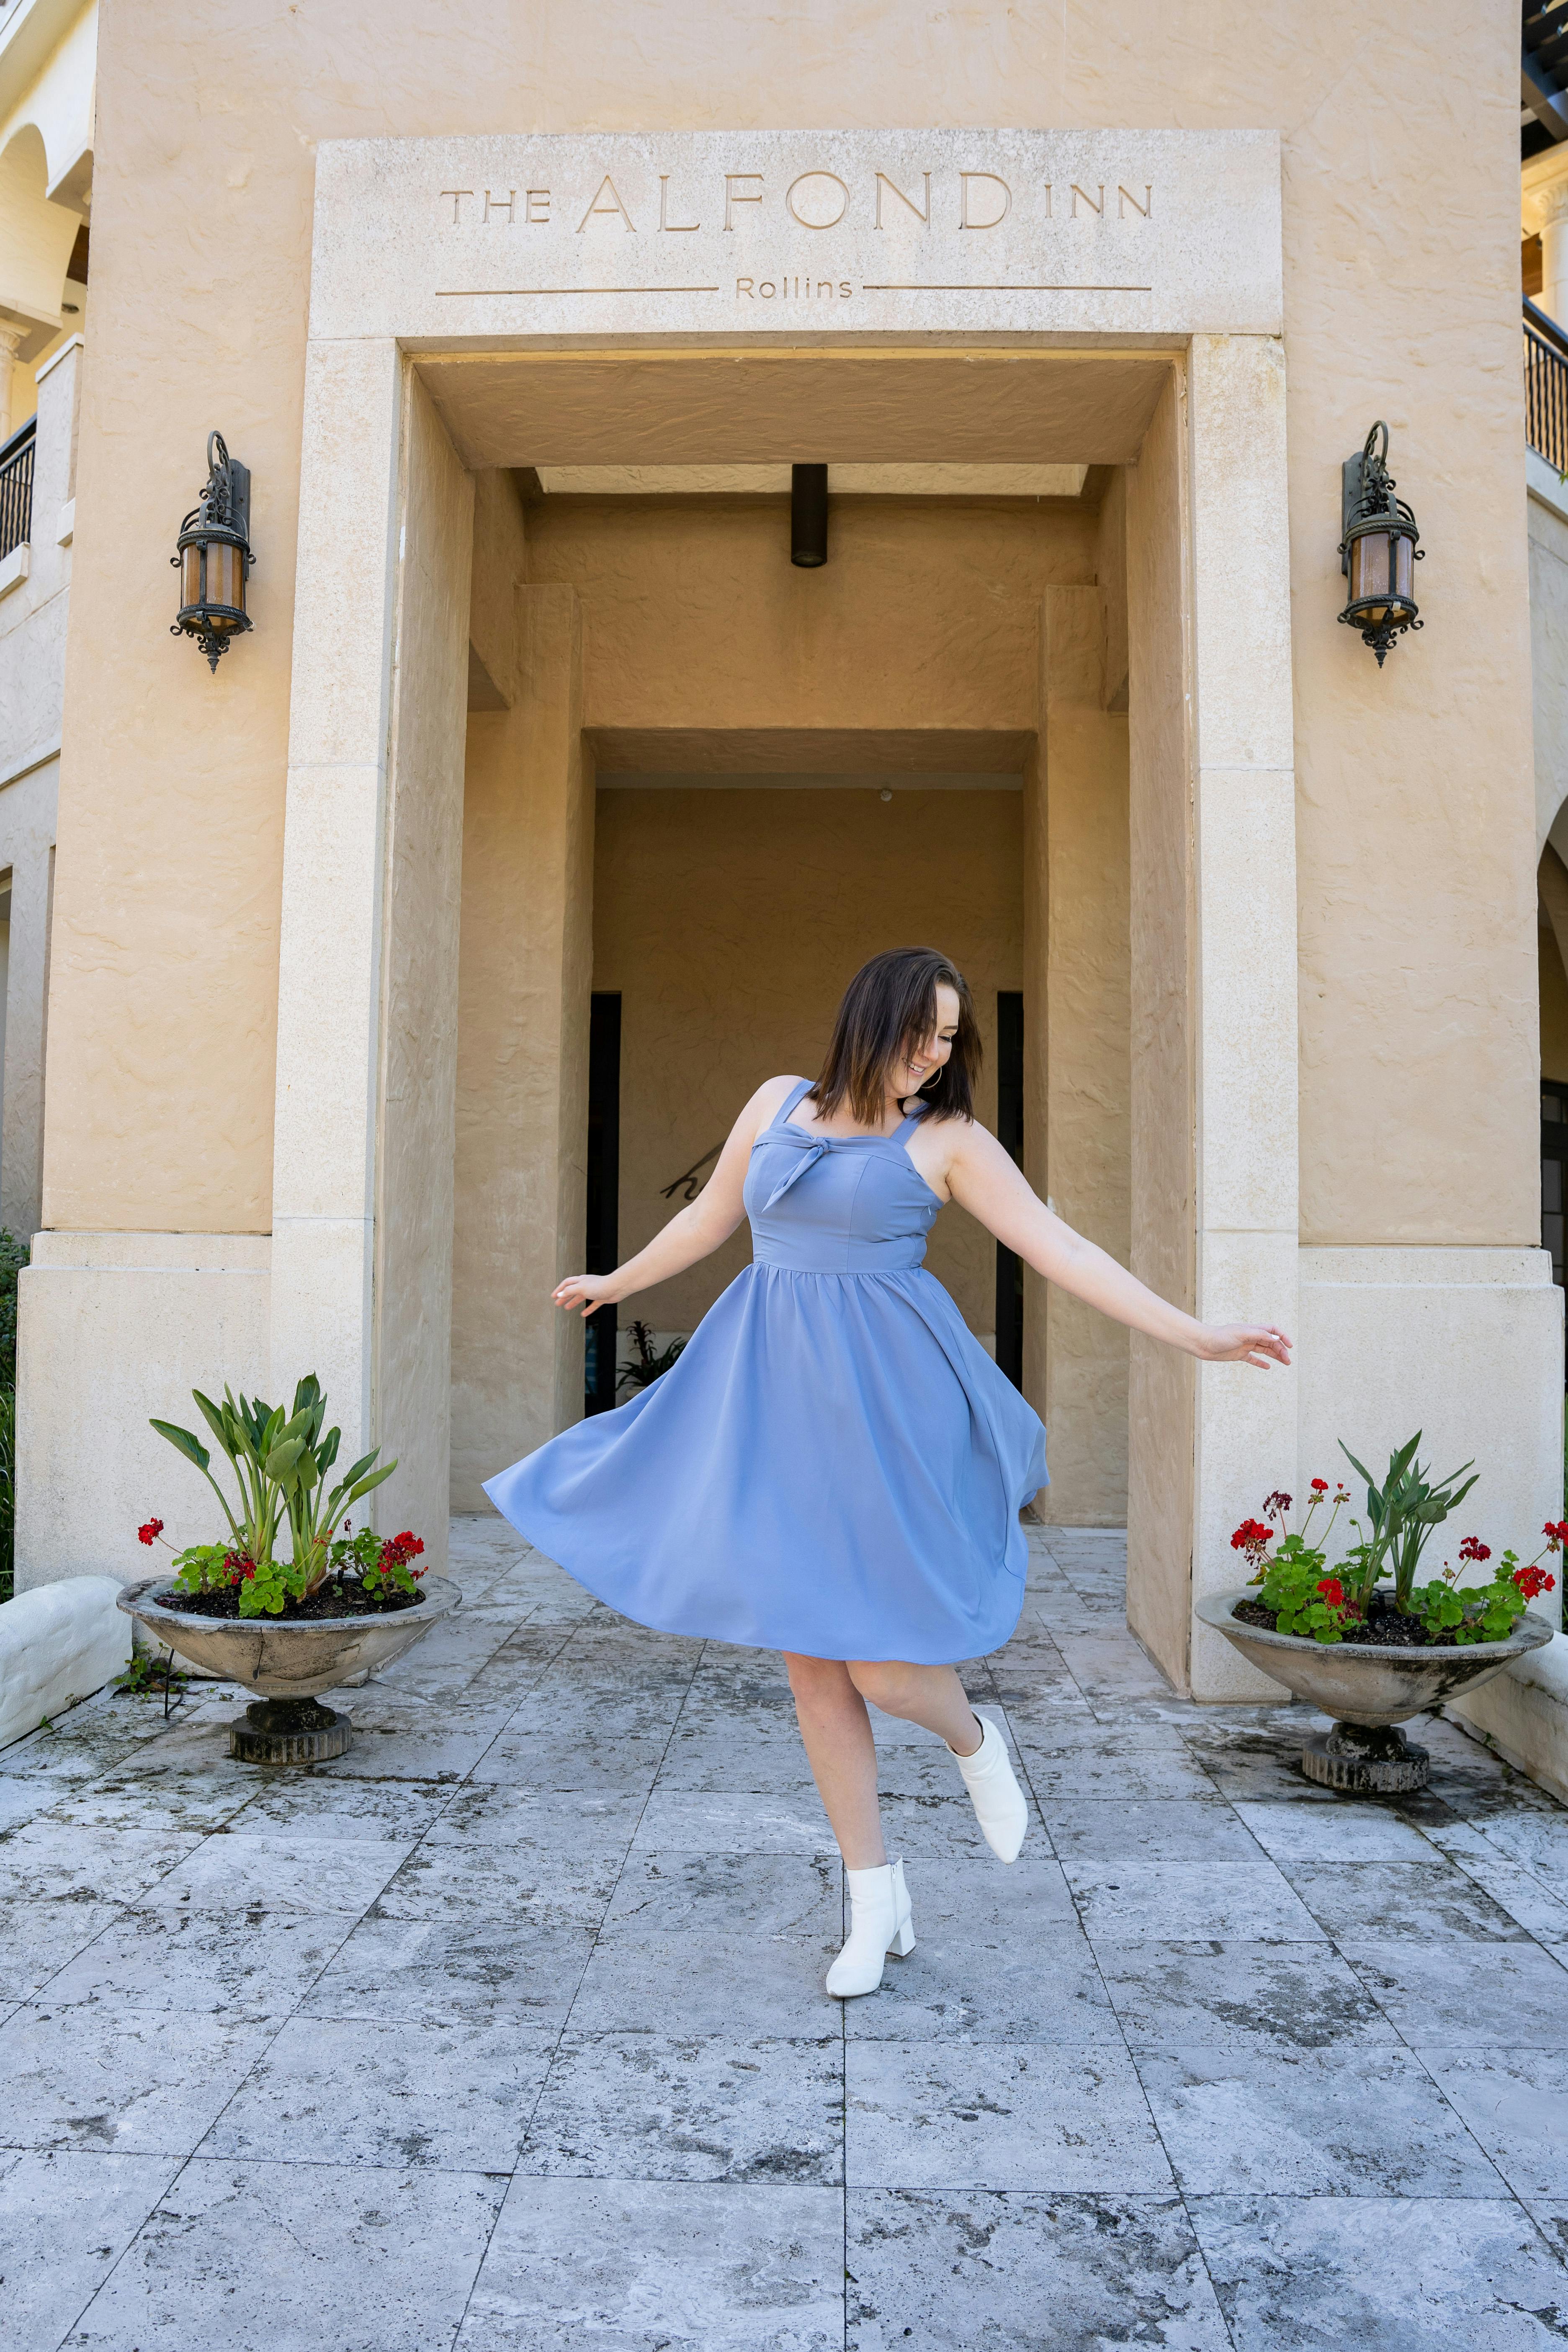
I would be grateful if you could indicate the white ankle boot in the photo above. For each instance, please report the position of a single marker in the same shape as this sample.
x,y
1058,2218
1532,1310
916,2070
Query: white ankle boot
x,y
1000,1805
879,1924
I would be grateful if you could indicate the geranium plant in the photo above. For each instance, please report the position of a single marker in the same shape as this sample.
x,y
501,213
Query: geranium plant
x,y
1307,1598
1295,1579
281,1464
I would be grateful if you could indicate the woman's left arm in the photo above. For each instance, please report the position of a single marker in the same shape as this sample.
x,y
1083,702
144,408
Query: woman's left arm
x,y
984,1181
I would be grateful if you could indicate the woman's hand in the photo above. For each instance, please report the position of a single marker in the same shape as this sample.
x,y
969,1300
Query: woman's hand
x,y
1260,1344
582,1292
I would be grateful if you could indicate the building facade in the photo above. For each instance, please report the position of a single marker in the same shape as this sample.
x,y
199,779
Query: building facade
x,y
548,806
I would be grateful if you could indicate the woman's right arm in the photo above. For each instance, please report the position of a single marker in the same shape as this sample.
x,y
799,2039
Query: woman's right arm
x,y
694,1232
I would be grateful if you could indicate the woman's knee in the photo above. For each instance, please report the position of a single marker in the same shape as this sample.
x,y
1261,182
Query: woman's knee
x,y
884,1681
818,1683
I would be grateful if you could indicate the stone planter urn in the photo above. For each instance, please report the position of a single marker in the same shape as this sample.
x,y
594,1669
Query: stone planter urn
x,y
1368,1691
288,1662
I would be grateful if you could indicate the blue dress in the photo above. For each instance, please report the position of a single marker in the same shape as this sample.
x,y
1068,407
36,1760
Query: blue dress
x,y
833,1465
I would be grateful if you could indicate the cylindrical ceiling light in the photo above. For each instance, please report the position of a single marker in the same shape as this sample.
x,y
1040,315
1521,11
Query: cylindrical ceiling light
x,y
808,516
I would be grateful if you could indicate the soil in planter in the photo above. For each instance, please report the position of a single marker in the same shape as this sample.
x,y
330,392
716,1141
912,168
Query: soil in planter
x,y
340,1596
1384,1629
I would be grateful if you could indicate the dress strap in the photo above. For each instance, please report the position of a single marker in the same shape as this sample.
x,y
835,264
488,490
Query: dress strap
x,y
795,1095
911,1120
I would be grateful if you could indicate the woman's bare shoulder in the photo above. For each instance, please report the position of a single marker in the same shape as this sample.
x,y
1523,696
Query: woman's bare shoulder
x,y
762,1108
773,1091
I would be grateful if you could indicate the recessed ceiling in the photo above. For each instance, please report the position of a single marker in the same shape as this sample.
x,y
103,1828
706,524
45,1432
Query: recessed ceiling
x,y
923,408
892,780
843,481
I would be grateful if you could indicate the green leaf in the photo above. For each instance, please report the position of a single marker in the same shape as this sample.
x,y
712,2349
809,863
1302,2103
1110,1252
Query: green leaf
x,y
212,1414
184,1443
365,1485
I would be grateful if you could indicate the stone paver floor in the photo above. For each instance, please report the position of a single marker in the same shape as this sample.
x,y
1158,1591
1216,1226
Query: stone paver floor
x,y
507,2032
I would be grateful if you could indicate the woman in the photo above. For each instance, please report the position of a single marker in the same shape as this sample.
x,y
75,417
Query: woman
x,y
834,1467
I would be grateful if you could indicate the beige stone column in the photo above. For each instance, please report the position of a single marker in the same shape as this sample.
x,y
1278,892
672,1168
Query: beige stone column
x,y
1246,961
11,340
1084,1064
1162,1385
1214,980
522,1104
367,992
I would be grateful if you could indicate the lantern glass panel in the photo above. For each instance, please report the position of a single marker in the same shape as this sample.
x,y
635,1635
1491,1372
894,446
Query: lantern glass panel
x,y
1369,567
193,586
226,575
1405,569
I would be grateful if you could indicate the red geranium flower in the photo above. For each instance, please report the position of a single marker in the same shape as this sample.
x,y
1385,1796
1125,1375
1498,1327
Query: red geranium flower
x,y
1473,1548
1319,1485
151,1532
1251,1535
1556,1533
1332,1590
1276,1503
1532,1582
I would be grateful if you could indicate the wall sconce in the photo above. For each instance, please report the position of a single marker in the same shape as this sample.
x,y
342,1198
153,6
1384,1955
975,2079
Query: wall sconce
x,y
1378,553
808,516
214,556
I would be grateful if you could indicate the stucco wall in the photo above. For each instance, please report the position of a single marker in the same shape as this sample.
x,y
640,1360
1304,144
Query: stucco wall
x,y
731,921
1549,651
1553,1010
925,615
1416,857
1415,989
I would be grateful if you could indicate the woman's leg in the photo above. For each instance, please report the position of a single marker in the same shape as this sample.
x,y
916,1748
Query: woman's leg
x,y
836,1731
934,1696
931,1695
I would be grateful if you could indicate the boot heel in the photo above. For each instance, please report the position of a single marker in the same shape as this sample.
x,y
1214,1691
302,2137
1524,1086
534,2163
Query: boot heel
x,y
903,1943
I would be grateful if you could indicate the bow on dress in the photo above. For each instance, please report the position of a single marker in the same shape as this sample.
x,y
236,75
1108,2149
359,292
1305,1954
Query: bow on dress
x,y
810,1150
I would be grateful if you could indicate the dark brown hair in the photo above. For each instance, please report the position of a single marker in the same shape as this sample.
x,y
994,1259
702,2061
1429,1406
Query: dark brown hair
x,y
889,1009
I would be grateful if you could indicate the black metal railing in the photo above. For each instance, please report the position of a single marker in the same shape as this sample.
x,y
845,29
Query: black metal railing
x,y
16,488
1545,386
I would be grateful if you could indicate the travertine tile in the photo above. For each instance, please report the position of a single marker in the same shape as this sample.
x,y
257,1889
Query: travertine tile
x,y
631,2266
1015,2269
135,2081
483,1971
392,2091
929,2115
66,2215
1312,2123
293,2257
235,1965
1452,1995
654,2106
1400,2274
269,1871
1373,1901
1231,1995
1516,2103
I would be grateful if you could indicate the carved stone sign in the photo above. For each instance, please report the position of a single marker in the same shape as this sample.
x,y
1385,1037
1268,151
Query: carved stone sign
x,y
719,233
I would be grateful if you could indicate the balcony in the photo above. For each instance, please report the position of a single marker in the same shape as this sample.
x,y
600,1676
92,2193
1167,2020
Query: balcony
x,y
16,488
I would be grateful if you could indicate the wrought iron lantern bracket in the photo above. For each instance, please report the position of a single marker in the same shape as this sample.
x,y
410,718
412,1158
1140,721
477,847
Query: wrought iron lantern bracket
x,y
214,557
1380,606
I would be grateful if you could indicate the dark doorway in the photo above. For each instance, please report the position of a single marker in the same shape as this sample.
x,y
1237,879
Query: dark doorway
x,y
603,1192
1010,1135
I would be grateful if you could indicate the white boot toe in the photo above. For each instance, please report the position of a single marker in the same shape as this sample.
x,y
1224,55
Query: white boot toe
x,y
1000,1805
